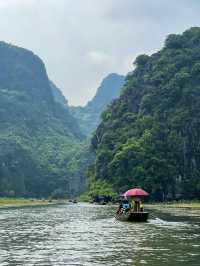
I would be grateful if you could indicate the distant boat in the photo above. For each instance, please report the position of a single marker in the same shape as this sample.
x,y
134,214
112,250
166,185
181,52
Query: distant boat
x,y
73,201
132,209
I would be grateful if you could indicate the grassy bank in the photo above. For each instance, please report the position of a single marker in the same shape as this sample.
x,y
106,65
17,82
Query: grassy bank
x,y
183,205
6,202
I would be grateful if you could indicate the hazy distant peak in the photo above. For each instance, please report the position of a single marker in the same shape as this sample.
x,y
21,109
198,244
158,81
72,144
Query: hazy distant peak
x,y
89,116
108,90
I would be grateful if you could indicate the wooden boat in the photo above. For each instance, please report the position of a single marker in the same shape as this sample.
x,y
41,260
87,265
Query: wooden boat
x,y
132,216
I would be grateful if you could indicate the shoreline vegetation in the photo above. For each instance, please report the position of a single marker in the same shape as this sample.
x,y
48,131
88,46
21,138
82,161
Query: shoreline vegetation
x,y
179,205
149,136
21,202
184,204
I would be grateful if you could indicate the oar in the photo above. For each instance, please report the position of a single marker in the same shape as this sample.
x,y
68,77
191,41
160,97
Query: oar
x,y
153,216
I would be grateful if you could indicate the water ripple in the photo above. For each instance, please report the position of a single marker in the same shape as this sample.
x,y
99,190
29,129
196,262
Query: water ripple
x,y
86,235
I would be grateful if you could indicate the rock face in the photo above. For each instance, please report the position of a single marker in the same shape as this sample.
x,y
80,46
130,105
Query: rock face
x,y
37,135
150,136
89,116
58,96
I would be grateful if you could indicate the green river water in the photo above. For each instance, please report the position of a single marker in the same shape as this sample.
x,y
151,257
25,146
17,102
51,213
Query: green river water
x,y
86,235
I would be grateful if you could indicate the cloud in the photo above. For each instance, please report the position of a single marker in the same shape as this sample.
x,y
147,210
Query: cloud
x,y
5,3
99,57
81,41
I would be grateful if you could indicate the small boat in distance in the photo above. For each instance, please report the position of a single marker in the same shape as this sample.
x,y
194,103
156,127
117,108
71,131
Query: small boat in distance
x,y
73,201
131,208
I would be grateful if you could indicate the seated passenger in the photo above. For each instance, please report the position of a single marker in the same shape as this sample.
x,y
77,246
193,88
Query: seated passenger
x,y
125,205
141,207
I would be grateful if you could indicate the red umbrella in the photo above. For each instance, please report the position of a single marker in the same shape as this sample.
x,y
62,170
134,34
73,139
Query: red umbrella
x,y
135,192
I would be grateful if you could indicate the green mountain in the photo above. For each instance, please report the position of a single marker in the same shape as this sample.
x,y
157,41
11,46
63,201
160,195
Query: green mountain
x,y
150,136
37,135
58,96
88,117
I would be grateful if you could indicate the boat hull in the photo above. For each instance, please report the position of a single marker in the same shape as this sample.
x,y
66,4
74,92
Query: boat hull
x,y
133,216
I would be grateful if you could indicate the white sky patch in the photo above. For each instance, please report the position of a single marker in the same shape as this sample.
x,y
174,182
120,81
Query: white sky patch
x,y
11,3
98,57
82,41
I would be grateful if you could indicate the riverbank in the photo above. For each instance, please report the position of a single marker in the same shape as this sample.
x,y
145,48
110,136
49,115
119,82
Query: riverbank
x,y
20,202
181,205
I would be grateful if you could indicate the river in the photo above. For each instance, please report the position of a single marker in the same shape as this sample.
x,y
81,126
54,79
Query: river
x,y
87,235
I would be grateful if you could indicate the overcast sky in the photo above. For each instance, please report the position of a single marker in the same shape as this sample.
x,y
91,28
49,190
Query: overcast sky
x,y
81,41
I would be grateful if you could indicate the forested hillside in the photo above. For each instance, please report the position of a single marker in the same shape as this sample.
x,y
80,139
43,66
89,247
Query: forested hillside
x,y
88,117
37,135
150,136
58,96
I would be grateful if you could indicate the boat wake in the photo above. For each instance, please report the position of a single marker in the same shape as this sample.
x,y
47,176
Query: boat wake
x,y
159,222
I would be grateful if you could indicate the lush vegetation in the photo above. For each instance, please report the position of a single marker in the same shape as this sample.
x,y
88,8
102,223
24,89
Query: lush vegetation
x,y
150,136
4,202
58,96
42,150
77,167
182,204
38,137
88,117
97,188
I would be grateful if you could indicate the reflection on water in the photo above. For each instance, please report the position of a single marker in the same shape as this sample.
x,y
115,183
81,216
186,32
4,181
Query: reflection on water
x,y
84,235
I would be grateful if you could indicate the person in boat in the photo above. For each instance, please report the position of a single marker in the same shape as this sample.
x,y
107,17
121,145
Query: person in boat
x,y
135,204
120,208
123,207
141,206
